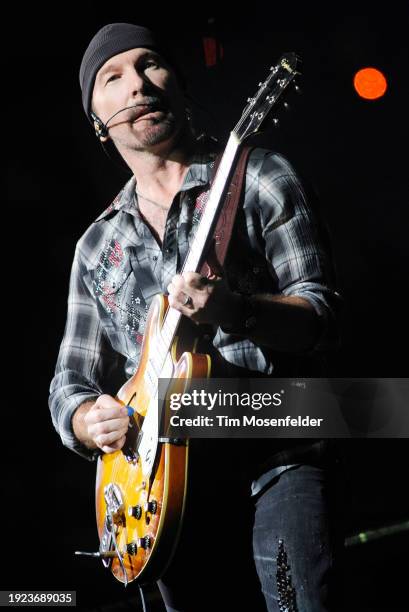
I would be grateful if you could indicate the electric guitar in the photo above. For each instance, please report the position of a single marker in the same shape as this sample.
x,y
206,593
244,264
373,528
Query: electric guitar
x,y
141,489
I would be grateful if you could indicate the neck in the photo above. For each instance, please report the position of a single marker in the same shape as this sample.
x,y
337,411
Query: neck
x,y
160,171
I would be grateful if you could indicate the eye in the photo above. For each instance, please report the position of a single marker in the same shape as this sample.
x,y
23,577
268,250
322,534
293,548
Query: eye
x,y
111,78
150,63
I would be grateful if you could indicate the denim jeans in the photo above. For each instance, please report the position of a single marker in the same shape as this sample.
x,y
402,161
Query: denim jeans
x,y
297,542
277,551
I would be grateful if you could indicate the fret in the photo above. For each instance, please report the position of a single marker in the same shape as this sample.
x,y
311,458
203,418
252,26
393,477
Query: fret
x,y
160,352
170,324
166,331
151,377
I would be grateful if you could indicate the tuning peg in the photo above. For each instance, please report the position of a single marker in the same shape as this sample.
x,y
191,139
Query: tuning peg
x,y
297,89
275,121
286,105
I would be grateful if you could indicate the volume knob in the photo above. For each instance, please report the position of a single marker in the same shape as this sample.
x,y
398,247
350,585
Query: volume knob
x,y
151,506
145,542
132,548
135,511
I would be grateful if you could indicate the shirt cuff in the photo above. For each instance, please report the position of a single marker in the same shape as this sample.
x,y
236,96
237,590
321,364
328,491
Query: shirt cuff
x,y
328,337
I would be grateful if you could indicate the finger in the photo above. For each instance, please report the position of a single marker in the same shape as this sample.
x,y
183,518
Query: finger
x,y
109,439
185,298
115,446
174,302
178,282
98,414
214,277
107,401
177,303
188,311
106,427
193,279
176,289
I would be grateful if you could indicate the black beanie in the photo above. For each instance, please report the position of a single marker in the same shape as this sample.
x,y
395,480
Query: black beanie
x,y
110,40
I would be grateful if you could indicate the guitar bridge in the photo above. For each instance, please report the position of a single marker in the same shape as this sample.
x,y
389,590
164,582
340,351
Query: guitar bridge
x,y
114,516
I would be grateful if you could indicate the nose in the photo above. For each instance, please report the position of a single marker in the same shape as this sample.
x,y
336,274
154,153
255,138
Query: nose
x,y
137,82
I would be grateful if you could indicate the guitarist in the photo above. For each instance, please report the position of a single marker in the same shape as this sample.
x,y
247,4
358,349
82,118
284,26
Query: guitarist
x,y
274,302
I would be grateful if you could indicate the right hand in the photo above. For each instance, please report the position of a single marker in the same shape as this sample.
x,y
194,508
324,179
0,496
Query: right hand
x,y
107,422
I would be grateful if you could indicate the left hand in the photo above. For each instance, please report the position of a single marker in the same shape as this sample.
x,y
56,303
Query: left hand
x,y
211,300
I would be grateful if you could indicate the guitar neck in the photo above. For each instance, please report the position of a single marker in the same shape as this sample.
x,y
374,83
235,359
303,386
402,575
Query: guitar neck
x,y
203,233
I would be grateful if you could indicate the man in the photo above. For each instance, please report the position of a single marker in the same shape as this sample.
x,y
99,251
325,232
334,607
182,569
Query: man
x,y
134,95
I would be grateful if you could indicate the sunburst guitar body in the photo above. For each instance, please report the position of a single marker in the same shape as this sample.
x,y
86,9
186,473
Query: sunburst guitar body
x,y
141,489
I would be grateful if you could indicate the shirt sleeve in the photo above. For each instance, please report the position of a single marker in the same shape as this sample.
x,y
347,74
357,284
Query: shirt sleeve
x,y
297,244
85,360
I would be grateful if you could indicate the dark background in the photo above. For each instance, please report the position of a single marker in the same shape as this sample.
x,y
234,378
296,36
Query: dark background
x,y
355,153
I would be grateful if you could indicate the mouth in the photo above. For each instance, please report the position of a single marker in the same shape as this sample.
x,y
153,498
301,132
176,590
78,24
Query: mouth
x,y
146,112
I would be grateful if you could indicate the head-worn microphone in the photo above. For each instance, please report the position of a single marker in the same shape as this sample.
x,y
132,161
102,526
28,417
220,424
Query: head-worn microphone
x,y
101,128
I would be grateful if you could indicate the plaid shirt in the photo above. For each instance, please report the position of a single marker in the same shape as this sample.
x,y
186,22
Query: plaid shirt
x,y
118,267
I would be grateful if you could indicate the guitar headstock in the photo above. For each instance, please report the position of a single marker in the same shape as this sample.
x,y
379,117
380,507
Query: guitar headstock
x,y
272,92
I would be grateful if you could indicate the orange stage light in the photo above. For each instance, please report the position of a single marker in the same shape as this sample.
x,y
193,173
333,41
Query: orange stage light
x,y
370,83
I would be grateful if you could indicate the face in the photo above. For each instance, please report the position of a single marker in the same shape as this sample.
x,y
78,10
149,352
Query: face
x,y
141,79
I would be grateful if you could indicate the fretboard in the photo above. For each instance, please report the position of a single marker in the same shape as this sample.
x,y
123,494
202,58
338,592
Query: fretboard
x,y
199,243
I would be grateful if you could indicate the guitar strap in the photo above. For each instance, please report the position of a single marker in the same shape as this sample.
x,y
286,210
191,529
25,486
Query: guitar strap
x,y
218,247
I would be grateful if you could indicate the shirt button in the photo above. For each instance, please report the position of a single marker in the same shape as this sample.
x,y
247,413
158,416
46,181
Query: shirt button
x,y
168,250
155,257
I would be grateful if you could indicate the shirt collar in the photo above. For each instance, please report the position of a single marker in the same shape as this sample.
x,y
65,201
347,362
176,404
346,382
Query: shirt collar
x,y
199,173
